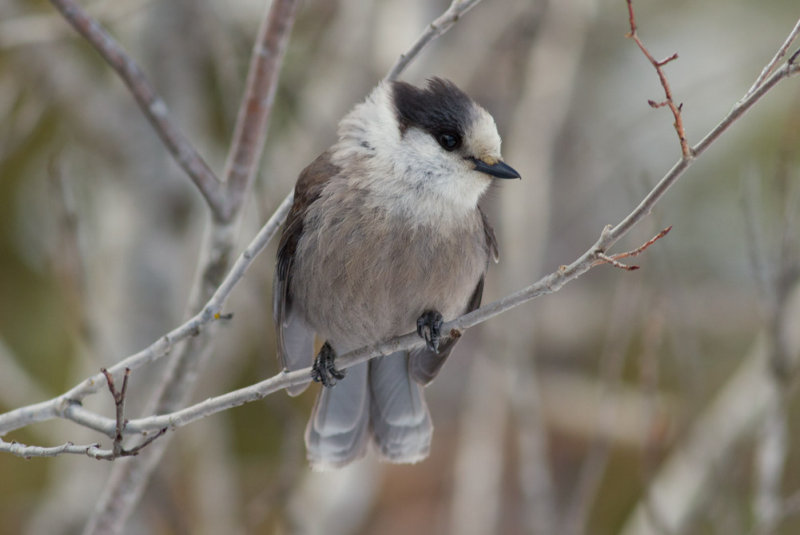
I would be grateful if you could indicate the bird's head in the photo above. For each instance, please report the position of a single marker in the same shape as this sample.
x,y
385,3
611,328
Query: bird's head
x,y
445,124
431,146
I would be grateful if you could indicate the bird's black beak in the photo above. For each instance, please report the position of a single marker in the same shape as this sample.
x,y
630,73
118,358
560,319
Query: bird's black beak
x,y
498,170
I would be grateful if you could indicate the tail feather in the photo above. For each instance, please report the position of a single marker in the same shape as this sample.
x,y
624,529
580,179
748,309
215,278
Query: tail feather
x,y
337,431
295,346
401,423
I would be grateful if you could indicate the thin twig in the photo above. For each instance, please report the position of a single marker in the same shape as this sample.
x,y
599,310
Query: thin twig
x,y
90,450
48,27
686,151
614,259
436,28
149,101
119,404
769,67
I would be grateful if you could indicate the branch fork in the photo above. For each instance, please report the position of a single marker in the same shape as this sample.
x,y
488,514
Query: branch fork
x,y
614,260
117,449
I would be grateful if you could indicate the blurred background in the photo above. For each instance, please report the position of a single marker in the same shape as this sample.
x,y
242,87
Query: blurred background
x,y
656,401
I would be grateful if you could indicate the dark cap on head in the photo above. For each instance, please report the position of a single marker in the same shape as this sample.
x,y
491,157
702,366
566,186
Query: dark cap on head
x,y
437,108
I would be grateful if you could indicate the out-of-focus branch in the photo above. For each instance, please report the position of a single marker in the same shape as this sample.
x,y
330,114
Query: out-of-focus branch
x,y
67,405
772,439
31,29
677,489
149,101
127,481
254,111
436,28
765,375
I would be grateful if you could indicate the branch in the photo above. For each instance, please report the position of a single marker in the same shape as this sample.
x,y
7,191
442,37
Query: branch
x,y
658,65
436,28
67,404
91,450
127,481
149,101
614,260
40,28
779,55
254,111
27,452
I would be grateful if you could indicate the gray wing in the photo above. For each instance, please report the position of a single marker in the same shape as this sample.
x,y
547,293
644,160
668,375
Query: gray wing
x,y
295,336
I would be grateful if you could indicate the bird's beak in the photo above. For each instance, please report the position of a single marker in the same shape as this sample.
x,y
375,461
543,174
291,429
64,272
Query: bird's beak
x,y
498,169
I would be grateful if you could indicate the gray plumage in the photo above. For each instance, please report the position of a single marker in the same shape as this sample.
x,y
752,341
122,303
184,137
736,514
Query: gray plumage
x,y
385,226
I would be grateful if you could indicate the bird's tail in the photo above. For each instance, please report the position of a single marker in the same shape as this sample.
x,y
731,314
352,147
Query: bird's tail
x,y
337,431
377,398
401,423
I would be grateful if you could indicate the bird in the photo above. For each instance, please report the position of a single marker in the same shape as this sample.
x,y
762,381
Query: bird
x,y
385,237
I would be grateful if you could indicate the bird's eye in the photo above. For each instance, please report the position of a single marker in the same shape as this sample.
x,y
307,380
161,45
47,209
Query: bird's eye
x,y
449,140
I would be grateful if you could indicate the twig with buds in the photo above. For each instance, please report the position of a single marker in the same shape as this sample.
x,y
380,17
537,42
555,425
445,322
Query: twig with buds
x,y
686,151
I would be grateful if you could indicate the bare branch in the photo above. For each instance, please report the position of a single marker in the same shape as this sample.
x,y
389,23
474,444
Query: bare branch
x,y
22,450
658,65
149,101
40,28
127,481
614,260
254,111
90,450
64,406
779,55
436,28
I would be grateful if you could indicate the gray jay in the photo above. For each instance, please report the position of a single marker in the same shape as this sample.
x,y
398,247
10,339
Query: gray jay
x,y
385,236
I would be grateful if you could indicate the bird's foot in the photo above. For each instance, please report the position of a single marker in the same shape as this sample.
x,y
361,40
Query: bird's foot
x,y
324,369
429,327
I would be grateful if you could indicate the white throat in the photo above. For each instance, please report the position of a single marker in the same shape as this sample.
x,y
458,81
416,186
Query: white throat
x,y
408,175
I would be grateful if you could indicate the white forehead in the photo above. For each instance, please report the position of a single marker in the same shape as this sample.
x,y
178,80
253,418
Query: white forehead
x,y
482,138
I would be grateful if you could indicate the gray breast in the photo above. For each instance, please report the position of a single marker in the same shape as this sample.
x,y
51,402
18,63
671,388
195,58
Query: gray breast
x,y
363,275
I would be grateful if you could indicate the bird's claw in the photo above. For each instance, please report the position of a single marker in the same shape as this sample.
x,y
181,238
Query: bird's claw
x,y
429,327
324,369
